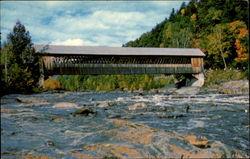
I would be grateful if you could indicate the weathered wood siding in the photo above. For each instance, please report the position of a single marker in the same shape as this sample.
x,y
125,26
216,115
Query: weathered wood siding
x,y
197,64
48,62
61,65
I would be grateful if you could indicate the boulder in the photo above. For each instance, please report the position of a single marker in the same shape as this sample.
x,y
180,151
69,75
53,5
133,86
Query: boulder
x,y
65,105
56,118
234,87
188,90
154,91
198,141
50,143
84,112
137,106
125,89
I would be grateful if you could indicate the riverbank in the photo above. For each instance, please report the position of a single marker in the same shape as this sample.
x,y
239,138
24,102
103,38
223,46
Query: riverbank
x,y
213,78
129,83
227,81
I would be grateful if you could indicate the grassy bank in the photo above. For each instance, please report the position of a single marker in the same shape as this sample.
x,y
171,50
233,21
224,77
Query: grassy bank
x,y
135,82
113,82
216,77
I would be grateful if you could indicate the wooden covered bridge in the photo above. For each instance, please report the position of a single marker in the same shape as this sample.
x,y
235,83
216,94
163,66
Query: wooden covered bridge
x,y
69,60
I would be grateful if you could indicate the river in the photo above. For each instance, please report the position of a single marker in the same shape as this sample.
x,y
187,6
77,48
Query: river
x,y
139,124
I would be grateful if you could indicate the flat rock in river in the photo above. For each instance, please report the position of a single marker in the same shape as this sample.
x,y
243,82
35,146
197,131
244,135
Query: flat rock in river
x,y
65,105
137,106
188,90
10,111
31,100
139,139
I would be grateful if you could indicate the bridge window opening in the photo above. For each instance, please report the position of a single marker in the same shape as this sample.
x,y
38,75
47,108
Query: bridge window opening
x,y
122,60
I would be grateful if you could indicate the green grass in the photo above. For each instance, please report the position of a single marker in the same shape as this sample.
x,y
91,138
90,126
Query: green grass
x,y
136,82
113,82
215,77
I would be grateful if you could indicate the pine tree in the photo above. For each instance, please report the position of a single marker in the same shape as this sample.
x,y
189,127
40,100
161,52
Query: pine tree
x,y
172,14
21,68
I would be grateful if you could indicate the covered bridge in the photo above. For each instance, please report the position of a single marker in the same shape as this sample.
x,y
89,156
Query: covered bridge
x,y
67,60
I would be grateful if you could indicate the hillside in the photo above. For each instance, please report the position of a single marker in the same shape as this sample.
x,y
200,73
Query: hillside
x,y
218,27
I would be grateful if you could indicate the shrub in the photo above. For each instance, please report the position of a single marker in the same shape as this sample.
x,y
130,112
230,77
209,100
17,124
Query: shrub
x,y
51,84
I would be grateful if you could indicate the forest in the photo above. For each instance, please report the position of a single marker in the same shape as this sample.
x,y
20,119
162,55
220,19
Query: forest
x,y
218,27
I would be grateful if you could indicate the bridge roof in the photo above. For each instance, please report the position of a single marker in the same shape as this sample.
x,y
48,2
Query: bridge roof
x,y
121,51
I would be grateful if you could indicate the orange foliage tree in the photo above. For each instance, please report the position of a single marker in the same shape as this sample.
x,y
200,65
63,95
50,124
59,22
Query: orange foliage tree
x,y
239,30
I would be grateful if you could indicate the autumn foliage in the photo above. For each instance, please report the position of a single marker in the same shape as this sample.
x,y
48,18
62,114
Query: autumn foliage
x,y
240,31
52,84
218,28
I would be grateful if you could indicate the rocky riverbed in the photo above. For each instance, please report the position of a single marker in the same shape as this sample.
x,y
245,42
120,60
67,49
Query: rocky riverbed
x,y
189,122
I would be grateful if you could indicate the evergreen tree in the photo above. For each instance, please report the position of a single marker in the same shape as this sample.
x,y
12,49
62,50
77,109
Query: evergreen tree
x,y
171,17
21,67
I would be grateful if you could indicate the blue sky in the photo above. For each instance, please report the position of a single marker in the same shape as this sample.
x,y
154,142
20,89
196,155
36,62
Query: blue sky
x,y
84,22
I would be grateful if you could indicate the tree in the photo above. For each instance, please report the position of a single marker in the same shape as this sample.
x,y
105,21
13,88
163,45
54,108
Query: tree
x,y
218,28
241,40
178,37
21,67
218,45
172,14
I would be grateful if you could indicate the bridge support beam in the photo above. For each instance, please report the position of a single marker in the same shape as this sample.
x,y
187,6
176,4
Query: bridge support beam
x,y
200,79
41,69
195,80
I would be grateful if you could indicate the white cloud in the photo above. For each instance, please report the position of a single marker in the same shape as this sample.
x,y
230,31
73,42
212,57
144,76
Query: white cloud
x,y
169,4
85,23
54,3
70,42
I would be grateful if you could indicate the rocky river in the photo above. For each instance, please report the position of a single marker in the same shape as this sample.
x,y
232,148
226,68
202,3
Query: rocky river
x,y
118,124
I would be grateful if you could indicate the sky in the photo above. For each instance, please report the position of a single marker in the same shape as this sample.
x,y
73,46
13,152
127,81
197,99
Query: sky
x,y
92,23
